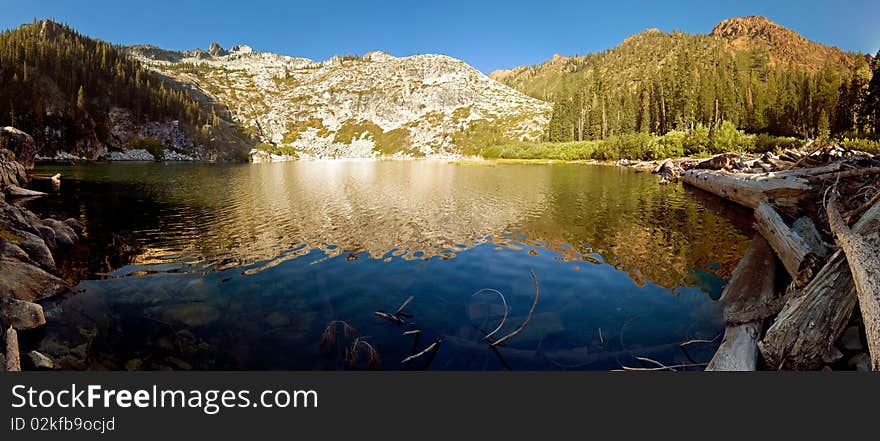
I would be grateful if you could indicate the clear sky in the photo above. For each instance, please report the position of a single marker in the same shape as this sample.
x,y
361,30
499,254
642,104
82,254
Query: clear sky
x,y
487,34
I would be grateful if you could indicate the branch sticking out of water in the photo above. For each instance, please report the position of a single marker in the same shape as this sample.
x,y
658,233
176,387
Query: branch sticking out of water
x,y
488,336
351,356
396,316
516,331
432,347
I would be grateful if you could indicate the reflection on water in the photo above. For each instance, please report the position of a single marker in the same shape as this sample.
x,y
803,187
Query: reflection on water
x,y
243,266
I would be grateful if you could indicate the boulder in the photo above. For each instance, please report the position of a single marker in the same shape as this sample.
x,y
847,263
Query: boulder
x,y
19,143
36,249
21,315
11,172
48,235
27,282
64,234
13,251
77,226
40,361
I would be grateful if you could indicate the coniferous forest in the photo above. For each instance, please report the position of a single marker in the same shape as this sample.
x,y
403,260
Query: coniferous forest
x,y
60,86
764,79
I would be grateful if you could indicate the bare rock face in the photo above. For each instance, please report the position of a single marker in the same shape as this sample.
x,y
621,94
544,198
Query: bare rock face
x,y
216,51
351,106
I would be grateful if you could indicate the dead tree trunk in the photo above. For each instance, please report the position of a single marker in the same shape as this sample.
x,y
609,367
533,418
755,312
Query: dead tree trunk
x,y
747,300
810,323
864,264
750,190
795,253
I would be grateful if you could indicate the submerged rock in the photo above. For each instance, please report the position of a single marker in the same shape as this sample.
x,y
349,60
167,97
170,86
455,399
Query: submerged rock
x,y
20,314
192,314
41,361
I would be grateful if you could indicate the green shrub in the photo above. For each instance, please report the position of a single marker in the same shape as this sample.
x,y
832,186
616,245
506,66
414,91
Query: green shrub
x,y
156,148
862,144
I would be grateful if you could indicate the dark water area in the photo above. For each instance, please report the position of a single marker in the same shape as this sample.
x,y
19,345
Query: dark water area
x,y
238,266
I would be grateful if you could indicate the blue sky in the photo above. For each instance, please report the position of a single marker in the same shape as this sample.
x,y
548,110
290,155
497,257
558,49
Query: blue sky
x,y
487,34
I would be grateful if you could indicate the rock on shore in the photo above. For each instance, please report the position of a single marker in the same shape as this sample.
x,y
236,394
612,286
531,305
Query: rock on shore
x,y
27,244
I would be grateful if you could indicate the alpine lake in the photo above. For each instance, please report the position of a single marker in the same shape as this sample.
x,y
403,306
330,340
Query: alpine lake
x,y
284,265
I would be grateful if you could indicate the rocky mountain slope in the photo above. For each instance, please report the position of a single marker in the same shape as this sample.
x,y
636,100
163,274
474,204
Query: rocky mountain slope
x,y
355,106
80,97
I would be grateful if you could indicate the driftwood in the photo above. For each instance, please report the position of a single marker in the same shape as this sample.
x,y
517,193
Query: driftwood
x,y
810,323
751,189
864,264
19,192
747,300
738,350
750,295
13,357
793,250
525,322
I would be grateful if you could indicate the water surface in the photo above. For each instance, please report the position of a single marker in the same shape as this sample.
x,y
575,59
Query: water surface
x,y
237,266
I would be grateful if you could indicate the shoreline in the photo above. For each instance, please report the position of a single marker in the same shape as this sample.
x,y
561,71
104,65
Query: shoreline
x,y
794,167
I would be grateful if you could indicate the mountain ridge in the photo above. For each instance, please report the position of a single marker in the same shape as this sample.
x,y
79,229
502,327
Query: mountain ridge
x,y
356,106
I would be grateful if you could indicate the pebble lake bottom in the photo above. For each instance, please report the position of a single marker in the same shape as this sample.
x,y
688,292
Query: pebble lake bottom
x,y
284,266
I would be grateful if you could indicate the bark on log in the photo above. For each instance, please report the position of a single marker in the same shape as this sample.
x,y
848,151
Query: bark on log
x,y
747,300
809,325
13,358
864,264
751,189
738,350
793,250
750,295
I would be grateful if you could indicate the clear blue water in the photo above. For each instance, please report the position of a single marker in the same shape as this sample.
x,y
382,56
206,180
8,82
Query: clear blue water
x,y
234,266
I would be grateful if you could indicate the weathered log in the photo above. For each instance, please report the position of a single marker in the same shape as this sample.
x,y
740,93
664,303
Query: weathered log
x,y
750,294
805,228
13,358
751,189
738,350
747,300
864,264
18,192
806,329
795,253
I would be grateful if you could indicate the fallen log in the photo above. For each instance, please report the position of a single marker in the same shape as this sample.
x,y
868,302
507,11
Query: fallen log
x,y
751,189
864,264
18,192
738,350
748,299
806,329
13,358
794,251
750,295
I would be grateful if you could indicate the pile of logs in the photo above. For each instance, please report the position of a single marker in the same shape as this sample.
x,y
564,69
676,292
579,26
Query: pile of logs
x,y
813,262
